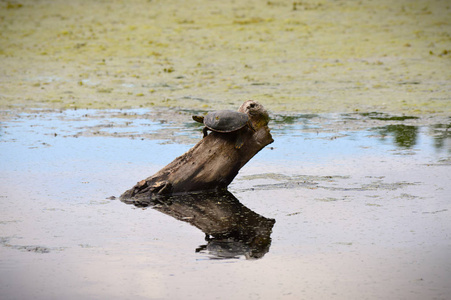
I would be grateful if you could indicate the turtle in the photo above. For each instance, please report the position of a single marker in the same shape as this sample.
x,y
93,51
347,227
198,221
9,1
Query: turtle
x,y
225,121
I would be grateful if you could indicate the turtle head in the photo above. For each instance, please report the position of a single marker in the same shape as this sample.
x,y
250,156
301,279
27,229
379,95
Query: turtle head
x,y
199,119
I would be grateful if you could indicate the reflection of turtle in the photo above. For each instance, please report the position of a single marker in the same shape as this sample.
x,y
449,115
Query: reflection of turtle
x,y
225,121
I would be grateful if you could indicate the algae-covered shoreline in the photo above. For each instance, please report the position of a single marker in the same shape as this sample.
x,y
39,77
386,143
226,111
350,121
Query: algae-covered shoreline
x,y
302,56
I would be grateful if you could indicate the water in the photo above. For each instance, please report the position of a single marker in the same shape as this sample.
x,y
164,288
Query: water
x,y
360,204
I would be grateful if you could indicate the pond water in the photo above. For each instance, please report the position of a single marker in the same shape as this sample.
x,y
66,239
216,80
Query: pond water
x,y
343,206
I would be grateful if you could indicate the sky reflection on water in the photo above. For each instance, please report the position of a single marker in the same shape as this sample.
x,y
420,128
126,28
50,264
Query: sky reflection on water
x,y
355,200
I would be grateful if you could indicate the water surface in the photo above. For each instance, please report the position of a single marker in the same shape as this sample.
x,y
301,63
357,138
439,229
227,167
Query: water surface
x,y
359,204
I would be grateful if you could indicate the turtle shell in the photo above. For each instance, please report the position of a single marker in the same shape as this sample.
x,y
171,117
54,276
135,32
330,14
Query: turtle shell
x,y
225,120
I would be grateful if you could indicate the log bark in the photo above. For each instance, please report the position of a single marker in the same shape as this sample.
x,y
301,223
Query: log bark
x,y
212,163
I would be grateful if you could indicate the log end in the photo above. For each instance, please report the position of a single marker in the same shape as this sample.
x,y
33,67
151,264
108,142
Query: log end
x,y
257,113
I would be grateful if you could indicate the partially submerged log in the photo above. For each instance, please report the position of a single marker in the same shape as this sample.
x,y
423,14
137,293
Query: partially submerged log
x,y
212,163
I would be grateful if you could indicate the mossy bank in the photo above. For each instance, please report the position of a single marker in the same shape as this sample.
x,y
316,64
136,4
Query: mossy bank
x,y
302,56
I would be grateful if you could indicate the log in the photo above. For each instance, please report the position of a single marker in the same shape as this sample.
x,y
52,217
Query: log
x,y
212,163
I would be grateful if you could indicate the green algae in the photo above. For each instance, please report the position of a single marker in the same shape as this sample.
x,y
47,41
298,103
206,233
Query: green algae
x,y
311,57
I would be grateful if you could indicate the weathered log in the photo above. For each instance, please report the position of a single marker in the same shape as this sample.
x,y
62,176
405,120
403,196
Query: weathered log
x,y
212,163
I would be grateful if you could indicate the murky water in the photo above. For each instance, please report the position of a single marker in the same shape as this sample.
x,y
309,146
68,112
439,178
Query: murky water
x,y
338,207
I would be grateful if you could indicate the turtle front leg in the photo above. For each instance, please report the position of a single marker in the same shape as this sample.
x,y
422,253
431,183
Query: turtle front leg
x,y
239,141
205,131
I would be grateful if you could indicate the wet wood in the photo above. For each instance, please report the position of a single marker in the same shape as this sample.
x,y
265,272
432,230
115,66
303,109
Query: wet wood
x,y
212,163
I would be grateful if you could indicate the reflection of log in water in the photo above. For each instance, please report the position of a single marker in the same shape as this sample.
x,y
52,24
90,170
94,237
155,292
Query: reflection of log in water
x,y
231,228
